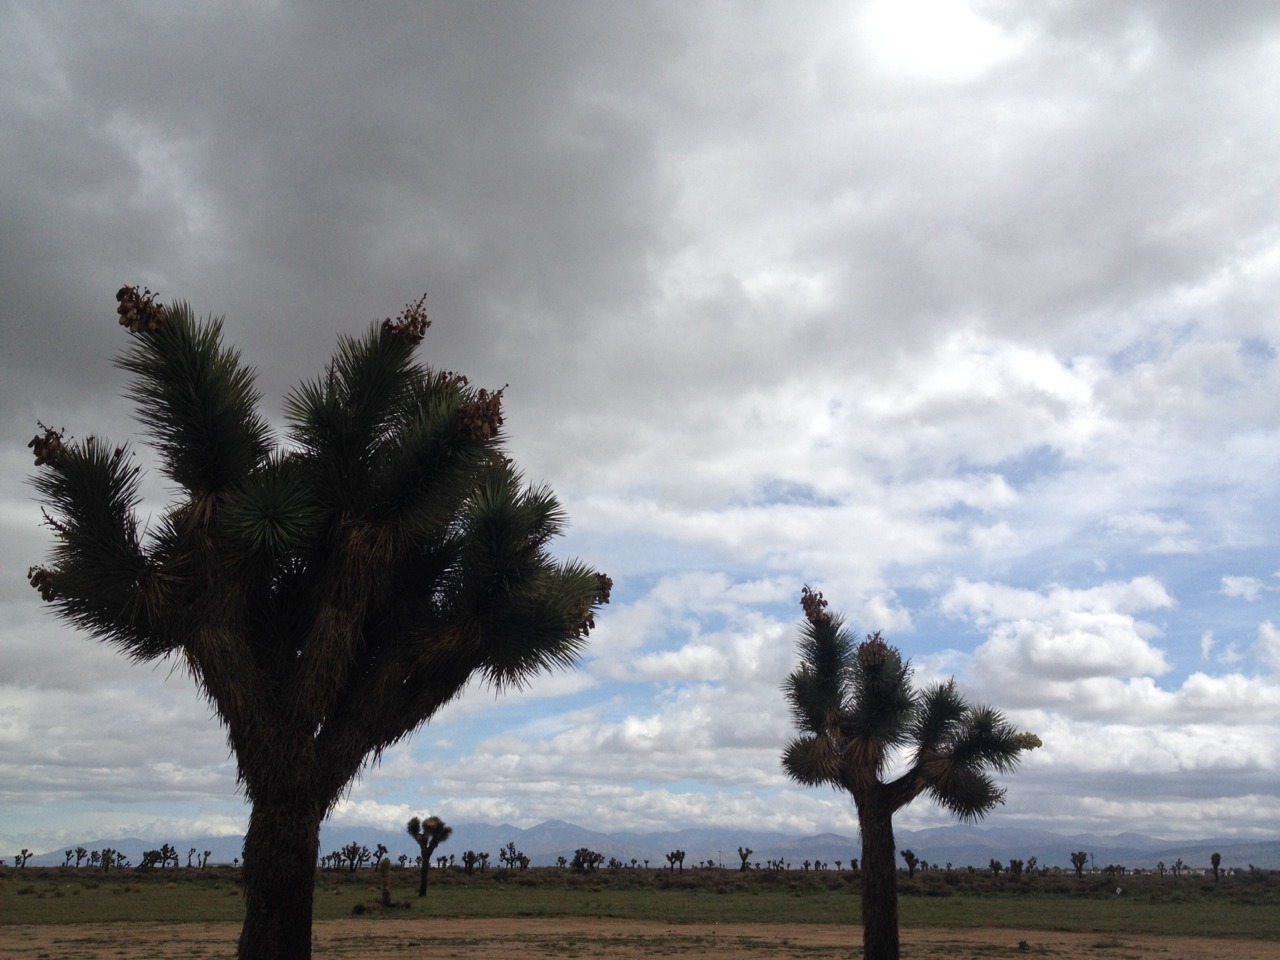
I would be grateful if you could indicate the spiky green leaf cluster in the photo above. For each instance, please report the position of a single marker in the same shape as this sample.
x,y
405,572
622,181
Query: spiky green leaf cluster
x,y
338,586
855,708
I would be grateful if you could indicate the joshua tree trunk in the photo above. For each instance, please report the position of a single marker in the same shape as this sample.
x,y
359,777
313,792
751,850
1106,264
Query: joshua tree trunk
x,y
422,877
280,852
879,883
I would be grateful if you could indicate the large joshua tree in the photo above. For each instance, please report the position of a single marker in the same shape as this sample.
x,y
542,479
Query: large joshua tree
x,y
857,713
329,591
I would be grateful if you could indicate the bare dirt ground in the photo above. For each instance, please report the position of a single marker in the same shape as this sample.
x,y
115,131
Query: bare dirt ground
x,y
531,939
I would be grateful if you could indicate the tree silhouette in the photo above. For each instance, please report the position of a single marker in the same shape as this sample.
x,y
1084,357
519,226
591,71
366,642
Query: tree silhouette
x,y
585,859
912,861
1216,862
353,855
429,833
855,709
510,856
329,592
744,853
1078,860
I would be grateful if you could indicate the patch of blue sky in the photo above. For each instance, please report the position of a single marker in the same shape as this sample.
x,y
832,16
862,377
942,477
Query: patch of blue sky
x,y
936,638
1024,470
1161,334
778,492
965,515
1214,627
633,559
696,786
1257,350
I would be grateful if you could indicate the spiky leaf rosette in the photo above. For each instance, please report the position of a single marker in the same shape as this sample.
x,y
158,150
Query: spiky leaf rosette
x,y
334,589
855,708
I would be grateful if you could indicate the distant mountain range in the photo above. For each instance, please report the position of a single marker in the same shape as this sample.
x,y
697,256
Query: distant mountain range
x,y
958,845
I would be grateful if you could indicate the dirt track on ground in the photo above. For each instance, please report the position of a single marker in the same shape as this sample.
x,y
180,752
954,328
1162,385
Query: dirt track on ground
x,y
529,939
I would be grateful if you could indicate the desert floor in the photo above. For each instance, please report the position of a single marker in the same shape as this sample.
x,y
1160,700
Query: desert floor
x,y
517,939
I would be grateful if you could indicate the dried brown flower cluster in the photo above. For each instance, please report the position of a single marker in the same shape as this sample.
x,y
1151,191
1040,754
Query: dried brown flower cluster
x,y
412,322
47,448
42,580
586,616
872,651
814,605
482,416
139,311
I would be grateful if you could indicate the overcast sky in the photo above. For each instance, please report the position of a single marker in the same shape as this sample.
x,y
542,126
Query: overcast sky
x,y
965,314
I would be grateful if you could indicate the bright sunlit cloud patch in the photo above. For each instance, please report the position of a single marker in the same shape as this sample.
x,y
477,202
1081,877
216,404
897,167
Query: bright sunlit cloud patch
x,y
944,40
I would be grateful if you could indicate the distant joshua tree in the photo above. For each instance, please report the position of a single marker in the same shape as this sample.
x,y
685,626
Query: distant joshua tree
x,y
911,861
585,859
509,855
1079,860
353,855
1216,862
744,853
676,859
429,833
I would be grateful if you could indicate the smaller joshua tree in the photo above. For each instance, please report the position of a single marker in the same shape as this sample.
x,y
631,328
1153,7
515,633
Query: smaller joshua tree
x,y
1079,860
912,861
429,833
856,710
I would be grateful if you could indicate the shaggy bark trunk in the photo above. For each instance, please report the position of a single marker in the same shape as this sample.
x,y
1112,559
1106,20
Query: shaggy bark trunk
x,y
422,880
279,880
879,885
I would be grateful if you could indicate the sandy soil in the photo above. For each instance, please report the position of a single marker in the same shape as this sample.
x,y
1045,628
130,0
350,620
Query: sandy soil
x,y
528,939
